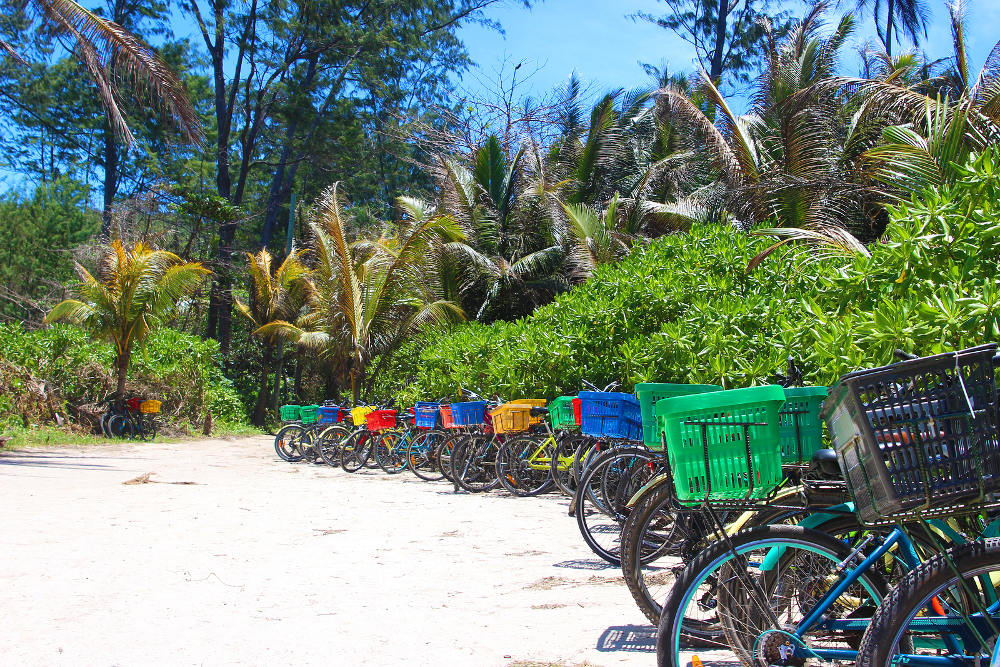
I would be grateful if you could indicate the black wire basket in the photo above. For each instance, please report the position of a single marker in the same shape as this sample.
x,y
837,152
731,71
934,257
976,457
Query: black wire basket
x,y
918,437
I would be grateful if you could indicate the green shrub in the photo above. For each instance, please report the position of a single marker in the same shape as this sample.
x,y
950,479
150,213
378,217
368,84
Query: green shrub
x,y
684,309
181,370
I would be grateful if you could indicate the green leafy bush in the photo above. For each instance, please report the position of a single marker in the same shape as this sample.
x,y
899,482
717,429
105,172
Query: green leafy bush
x,y
179,369
684,309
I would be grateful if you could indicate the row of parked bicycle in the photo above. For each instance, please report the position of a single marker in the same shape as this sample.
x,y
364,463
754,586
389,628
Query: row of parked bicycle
x,y
738,533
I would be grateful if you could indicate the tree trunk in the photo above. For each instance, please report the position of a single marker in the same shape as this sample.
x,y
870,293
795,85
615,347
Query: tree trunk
x,y
296,389
110,180
888,28
260,409
121,361
278,367
721,22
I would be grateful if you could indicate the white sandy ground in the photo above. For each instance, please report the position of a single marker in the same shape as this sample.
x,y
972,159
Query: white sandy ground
x,y
262,562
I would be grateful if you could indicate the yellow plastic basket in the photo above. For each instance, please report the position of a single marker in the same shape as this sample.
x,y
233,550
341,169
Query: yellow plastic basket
x,y
515,416
359,414
150,407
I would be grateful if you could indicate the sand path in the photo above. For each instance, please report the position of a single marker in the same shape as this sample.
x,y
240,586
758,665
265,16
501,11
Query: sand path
x,y
264,562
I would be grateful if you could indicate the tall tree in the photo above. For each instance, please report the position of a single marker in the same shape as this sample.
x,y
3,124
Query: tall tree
x,y
902,19
255,49
728,36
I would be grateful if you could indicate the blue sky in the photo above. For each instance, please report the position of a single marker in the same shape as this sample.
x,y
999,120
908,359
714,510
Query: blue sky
x,y
605,47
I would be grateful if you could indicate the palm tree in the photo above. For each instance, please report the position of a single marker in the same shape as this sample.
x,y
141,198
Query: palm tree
x,y
908,17
135,291
794,159
109,53
276,293
370,293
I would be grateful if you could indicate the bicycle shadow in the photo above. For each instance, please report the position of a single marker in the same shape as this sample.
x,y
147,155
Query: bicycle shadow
x,y
631,638
585,564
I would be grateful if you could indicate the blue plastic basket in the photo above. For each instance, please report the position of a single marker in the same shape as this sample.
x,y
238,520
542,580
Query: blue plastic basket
x,y
610,414
328,414
425,414
468,413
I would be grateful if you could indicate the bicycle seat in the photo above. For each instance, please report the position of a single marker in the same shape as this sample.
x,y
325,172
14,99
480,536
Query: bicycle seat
x,y
825,464
538,412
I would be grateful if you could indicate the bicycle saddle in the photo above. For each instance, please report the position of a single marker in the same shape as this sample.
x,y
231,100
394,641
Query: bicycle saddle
x,y
824,464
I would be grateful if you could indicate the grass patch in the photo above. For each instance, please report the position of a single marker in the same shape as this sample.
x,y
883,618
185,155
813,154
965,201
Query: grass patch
x,y
53,436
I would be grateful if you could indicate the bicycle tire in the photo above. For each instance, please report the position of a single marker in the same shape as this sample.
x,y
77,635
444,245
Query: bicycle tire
x,y
715,582
327,444
600,503
121,426
306,444
929,586
285,442
355,451
420,456
147,430
445,450
473,464
518,474
563,475
389,456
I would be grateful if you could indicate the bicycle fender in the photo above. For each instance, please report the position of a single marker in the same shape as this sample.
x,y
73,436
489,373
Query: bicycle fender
x,y
811,521
654,483
743,518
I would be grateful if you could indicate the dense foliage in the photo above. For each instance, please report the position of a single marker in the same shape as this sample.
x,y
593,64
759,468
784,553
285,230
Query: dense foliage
x,y
60,369
686,309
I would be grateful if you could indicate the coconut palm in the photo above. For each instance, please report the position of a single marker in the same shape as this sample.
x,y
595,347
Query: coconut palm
x,y
135,291
112,56
370,293
793,159
276,293
903,18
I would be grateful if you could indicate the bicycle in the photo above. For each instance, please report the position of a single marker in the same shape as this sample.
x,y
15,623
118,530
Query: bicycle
x,y
136,420
786,594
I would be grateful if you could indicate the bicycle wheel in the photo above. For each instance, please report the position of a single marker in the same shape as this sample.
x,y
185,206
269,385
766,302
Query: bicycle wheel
x,y
121,426
355,451
105,419
562,462
306,445
657,541
286,442
934,596
445,450
327,444
146,429
757,607
420,455
390,452
473,464
524,466
601,500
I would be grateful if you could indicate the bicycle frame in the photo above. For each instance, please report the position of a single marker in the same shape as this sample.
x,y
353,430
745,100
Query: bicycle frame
x,y
949,628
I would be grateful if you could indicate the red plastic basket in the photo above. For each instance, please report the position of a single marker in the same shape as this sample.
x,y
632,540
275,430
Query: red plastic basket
x,y
133,404
576,410
379,420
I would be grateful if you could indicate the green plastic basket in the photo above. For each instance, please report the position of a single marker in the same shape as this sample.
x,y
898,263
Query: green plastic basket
x,y
289,413
309,414
717,424
561,412
800,428
649,393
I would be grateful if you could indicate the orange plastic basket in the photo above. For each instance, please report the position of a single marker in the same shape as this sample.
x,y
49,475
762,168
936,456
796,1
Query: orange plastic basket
x,y
150,407
446,420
